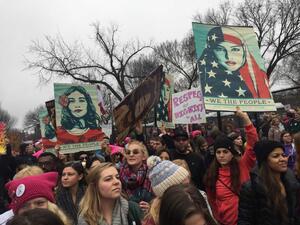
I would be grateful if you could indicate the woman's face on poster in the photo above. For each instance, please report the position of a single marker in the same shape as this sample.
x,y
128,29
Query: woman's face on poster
x,y
77,104
166,94
230,55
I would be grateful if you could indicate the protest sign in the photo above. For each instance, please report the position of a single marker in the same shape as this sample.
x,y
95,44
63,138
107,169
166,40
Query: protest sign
x,y
77,117
231,69
48,133
50,105
188,107
2,138
137,103
164,107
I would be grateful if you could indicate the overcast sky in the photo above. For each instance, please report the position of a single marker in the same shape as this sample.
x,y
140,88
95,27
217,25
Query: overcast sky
x,y
22,21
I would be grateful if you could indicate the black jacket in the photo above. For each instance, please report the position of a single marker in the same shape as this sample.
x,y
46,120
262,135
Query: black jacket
x,y
253,207
196,165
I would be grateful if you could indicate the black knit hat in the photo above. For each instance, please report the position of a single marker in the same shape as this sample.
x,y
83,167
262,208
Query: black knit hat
x,y
263,148
180,132
224,142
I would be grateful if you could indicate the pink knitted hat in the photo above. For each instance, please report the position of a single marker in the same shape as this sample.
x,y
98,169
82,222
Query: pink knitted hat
x,y
27,188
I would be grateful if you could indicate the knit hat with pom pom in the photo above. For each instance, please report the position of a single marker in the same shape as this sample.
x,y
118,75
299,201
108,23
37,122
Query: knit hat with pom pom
x,y
164,174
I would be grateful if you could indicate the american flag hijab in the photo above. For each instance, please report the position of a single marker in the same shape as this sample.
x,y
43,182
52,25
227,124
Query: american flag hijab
x,y
164,111
228,70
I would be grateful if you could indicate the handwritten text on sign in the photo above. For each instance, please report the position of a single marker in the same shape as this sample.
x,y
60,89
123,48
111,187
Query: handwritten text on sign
x,y
188,107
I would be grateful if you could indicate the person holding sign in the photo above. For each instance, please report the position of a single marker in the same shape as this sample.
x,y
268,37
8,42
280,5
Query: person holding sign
x,y
79,119
228,68
226,173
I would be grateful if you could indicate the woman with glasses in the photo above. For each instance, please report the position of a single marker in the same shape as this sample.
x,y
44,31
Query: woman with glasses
x,y
102,203
134,174
71,189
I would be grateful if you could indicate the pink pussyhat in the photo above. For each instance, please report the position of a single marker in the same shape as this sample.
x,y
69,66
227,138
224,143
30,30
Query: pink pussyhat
x,y
38,153
115,149
195,133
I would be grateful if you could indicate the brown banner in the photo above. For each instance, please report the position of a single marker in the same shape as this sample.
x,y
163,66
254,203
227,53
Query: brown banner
x,y
50,105
137,104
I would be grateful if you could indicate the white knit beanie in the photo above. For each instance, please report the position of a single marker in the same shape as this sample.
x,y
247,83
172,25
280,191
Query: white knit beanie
x,y
164,174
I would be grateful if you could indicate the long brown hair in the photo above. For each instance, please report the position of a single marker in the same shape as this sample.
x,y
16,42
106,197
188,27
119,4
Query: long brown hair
x,y
90,204
276,199
179,202
212,175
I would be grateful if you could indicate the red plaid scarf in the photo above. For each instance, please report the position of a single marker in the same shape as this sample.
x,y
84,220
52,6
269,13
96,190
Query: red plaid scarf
x,y
136,184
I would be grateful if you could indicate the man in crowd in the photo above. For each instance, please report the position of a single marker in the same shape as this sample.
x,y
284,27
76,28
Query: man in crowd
x,y
49,162
183,151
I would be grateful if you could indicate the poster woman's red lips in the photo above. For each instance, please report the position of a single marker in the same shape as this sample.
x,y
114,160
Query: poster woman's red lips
x,y
230,63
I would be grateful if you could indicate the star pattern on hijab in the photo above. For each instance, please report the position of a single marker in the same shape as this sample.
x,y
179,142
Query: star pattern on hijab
x,y
216,80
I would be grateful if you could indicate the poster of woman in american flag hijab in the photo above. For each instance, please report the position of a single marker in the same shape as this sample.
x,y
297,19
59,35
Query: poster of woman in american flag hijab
x,y
231,69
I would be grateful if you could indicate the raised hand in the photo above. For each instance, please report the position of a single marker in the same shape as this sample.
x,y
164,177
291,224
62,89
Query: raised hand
x,y
243,115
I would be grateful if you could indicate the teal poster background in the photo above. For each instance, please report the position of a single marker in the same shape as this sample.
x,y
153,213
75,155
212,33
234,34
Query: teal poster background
x,y
231,69
78,121
200,35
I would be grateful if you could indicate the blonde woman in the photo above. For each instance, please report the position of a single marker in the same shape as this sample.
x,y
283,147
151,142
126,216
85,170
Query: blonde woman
x,y
28,171
134,174
102,203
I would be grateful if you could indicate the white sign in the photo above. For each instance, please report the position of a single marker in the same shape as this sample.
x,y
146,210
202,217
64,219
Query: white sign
x,y
188,107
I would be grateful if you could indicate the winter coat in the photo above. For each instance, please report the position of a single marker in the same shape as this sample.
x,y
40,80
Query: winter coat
x,y
274,133
134,215
253,207
225,202
196,165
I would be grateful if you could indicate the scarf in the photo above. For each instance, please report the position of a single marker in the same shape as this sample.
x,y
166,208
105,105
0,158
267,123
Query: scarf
x,y
120,212
136,184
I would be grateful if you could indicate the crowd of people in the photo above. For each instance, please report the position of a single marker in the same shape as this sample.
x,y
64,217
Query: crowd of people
x,y
242,176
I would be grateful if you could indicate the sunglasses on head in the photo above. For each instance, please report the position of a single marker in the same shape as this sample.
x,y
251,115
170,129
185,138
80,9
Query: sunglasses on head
x,y
134,151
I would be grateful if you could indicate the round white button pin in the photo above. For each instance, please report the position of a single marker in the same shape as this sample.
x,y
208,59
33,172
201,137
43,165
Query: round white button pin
x,y
20,190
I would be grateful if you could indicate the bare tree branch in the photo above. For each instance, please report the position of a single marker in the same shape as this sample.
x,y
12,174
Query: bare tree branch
x,y
105,65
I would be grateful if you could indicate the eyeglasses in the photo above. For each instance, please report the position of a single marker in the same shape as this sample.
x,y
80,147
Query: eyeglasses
x,y
134,152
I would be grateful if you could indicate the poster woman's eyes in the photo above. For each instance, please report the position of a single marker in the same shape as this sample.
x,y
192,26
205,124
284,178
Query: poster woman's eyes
x,y
77,104
231,56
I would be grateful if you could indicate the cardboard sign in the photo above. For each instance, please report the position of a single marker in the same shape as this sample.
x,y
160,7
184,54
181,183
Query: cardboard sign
x,y
48,132
137,104
188,107
164,107
50,105
78,121
231,69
